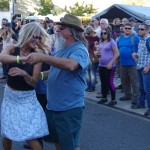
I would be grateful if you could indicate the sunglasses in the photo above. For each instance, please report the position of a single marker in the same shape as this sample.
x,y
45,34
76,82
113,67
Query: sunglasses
x,y
62,28
128,28
141,29
103,33
37,37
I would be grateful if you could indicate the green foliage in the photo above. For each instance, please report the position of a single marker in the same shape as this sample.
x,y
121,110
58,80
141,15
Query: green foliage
x,y
47,7
81,10
4,4
135,2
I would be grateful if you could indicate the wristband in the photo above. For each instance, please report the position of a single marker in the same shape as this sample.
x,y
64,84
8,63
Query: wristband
x,y
42,76
18,59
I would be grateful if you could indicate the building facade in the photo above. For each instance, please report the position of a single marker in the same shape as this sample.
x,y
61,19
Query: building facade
x,y
26,7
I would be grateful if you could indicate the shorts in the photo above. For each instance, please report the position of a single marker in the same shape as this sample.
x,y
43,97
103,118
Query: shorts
x,y
64,127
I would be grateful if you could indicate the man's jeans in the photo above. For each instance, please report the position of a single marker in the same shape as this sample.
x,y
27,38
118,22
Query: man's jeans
x,y
144,81
91,75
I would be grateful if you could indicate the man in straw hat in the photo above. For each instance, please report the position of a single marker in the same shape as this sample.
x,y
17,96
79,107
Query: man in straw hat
x,y
66,85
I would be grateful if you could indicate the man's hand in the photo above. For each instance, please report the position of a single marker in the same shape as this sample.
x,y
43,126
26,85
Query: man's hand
x,y
24,59
145,70
35,58
134,56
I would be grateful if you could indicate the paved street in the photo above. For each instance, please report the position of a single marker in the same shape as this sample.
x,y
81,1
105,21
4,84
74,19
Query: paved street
x,y
105,128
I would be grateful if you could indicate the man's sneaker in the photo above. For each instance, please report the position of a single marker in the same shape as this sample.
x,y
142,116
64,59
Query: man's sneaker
x,y
103,100
26,146
3,77
99,95
124,98
119,87
91,90
112,103
87,89
137,106
134,102
147,113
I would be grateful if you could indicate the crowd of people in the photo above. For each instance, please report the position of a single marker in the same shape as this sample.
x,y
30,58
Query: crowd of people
x,y
123,47
48,67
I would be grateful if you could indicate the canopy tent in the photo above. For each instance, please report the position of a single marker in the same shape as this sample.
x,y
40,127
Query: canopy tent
x,y
140,13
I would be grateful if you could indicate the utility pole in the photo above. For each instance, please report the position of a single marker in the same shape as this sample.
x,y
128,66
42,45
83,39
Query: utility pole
x,y
12,7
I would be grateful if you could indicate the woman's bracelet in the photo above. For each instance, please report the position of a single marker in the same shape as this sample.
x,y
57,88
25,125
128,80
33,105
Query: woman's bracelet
x,y
42,76
18,59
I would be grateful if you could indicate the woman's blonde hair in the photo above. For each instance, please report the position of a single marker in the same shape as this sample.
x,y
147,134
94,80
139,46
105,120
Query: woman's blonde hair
x,y
10,32
31,30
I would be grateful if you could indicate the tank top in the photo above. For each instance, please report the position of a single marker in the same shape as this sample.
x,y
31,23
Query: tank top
x,y
18,82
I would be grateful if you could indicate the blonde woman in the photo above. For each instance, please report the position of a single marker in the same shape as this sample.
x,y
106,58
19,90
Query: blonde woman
x,y
22,117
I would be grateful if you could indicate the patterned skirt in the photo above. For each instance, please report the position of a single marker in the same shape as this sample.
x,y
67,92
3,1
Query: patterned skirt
x,y
22,117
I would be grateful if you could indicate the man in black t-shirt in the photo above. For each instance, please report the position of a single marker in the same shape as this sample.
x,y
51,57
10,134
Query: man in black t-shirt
x,y
16,25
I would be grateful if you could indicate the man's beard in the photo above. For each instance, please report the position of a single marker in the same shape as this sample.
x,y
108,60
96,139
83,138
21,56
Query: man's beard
x,y
59,42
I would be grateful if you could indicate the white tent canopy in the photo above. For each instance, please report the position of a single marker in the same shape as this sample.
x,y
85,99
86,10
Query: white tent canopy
x,y
140,13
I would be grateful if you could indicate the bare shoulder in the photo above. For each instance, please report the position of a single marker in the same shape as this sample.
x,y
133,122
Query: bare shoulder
x,y
8,50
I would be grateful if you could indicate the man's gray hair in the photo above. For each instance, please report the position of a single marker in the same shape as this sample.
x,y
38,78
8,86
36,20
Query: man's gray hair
x,y
104,20
79,36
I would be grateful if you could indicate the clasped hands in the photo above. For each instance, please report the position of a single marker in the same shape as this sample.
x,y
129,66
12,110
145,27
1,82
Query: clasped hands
x,y
32,58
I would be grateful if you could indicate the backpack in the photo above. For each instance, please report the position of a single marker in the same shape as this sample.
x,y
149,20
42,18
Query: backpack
x,y
132,40
148,43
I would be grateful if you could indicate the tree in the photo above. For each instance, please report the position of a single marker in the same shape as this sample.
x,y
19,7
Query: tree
x,y
4,4
135,2
81,10
47,7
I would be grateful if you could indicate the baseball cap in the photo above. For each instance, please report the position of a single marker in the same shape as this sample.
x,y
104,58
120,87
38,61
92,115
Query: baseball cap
x,y
132,19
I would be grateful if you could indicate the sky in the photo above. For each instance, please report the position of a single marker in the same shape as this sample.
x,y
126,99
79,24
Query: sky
x,y
99,4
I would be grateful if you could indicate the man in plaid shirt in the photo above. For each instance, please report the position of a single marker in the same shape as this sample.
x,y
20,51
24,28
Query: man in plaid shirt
x,y
143,68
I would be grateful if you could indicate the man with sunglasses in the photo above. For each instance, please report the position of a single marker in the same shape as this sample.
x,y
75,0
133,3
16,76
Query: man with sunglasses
x,y
143,68
66,85
127,44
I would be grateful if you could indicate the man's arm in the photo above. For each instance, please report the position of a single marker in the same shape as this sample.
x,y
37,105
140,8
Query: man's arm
x,y
62,63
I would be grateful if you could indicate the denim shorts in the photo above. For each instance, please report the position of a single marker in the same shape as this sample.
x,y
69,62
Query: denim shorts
x,y
64,127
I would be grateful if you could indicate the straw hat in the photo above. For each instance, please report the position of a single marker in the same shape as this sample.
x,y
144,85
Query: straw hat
x,y
71,21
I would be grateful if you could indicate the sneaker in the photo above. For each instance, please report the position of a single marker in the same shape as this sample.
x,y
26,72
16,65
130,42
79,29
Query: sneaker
x,y
112,103
137,106
134,102
3,77
124,98
26,146
103,100
87,89
99,93
147,113
119,87
91,90
99,96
